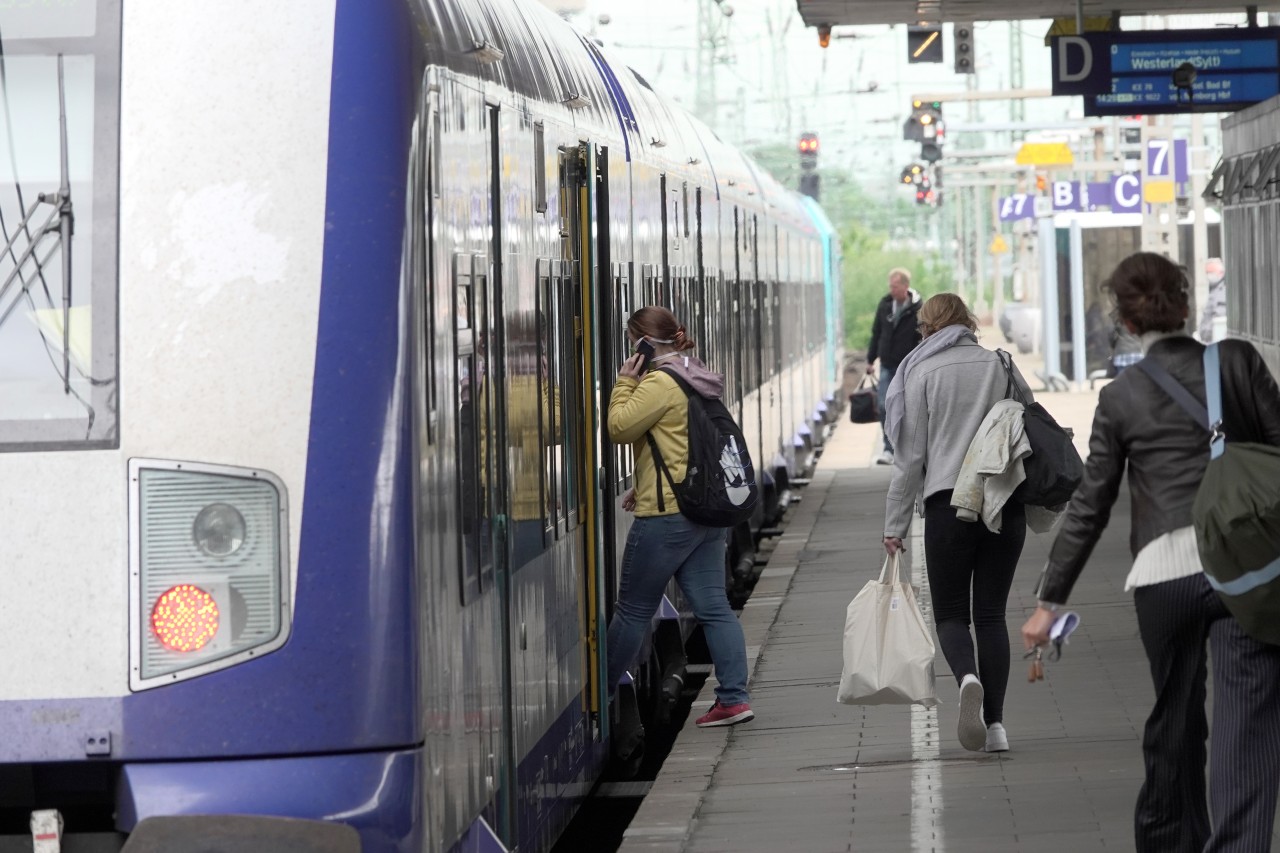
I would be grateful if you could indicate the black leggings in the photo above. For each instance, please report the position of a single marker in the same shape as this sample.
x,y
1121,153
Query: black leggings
x,y
961,554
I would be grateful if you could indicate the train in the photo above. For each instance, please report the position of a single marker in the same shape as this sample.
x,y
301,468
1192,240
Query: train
x,y
309,316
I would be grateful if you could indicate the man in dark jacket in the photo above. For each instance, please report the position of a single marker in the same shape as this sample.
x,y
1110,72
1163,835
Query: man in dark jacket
x,y
893,335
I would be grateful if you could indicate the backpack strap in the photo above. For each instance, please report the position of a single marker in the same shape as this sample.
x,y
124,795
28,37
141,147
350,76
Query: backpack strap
x,y
1213,395
660,466
1011,389
658,462
1180,394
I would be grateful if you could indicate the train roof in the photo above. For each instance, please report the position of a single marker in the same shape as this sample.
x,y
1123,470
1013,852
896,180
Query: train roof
x,y
525,48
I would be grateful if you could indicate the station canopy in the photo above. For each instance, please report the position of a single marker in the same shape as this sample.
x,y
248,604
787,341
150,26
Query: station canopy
x,y
863,12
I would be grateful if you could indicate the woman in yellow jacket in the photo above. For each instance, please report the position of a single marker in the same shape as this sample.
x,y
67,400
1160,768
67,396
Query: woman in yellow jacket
x,y
662,542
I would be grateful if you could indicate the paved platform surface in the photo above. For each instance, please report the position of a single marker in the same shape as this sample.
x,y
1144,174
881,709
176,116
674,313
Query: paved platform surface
x,y
813,776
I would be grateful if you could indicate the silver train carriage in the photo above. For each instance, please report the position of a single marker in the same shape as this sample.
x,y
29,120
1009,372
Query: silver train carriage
x,y
309,315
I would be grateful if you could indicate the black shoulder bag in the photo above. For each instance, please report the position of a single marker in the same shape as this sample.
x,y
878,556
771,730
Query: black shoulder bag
x,y
1054,469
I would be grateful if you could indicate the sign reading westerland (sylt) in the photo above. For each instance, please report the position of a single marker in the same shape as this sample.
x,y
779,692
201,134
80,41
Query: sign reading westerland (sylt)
x,y
1147,72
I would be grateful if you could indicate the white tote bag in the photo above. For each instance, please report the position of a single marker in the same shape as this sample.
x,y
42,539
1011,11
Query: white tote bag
x,y
888,650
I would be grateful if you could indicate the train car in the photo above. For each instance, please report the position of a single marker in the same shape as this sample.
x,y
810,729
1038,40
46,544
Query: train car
x,y
309,317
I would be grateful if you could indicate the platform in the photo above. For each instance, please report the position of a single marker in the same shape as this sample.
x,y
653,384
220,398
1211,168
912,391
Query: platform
x,y
813,776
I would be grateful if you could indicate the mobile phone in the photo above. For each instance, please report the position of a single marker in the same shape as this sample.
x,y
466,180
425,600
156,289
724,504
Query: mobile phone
x,y
645,349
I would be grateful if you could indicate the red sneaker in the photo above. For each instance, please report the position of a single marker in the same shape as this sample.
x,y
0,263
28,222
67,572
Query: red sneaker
x,y
721,715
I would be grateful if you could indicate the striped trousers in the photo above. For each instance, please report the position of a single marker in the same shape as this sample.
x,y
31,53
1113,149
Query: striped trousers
x,y
1175,619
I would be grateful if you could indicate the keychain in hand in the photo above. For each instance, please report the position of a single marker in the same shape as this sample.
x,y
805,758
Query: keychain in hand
x,y
1036,672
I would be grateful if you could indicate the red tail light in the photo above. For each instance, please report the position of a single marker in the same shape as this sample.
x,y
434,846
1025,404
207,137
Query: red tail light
x,y
185,618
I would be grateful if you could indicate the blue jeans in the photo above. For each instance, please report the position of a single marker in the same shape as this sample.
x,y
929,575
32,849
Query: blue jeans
x,y
886,376
659,547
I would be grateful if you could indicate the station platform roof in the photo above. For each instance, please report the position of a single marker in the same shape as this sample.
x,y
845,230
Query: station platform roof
x,y
864,12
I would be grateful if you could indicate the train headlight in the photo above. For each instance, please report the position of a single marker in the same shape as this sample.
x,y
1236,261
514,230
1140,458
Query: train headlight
x,y
209,579
219,530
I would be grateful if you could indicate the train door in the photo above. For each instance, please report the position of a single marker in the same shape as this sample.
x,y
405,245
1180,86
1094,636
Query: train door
x,y
481,350
610,288
585,231
749,280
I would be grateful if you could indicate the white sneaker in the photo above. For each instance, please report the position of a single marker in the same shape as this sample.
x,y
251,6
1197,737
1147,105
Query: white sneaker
x,y
997,740
972,731
885,458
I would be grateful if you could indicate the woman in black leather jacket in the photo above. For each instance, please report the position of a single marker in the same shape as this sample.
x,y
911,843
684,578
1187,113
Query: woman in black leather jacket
x,y
1139,426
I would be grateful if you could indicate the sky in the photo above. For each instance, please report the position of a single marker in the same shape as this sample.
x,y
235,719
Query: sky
x,y
773,81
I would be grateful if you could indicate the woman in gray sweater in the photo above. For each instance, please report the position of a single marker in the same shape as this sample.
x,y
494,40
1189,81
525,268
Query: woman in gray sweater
x,y
938,399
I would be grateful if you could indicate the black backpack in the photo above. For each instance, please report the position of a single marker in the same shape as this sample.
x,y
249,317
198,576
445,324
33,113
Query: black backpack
x,y
1054,469
719,487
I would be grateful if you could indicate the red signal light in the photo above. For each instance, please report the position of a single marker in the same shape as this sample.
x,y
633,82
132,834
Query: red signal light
x,y
185,618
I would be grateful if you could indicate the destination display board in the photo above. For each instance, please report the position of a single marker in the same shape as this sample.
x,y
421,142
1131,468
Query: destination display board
x,y
1158,71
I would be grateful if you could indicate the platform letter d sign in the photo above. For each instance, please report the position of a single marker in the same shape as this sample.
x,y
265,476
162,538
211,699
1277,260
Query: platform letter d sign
x,y
1065,72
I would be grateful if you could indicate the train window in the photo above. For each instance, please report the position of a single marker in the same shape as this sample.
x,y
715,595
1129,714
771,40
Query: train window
x,y
58,343
697,216
740,340
686,209
649,284
558,334
469,430
462,305
540,167
571,389
549,422
429,276
619,313
416,266
435,155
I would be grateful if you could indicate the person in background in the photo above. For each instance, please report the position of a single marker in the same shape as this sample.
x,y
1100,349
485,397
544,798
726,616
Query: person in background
x,y
664,543
1216,305
893,335
940,396
1139,427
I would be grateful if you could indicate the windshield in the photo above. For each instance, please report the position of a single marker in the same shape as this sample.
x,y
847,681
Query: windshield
x,y
59,129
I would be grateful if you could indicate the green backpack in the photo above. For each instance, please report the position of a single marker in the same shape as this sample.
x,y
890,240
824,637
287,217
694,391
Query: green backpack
x,y
1237,509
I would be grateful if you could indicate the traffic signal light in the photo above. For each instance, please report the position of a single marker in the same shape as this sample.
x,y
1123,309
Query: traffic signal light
x,y
924,192
929,115
1041,183
925,122
924,43
808,148
962,36
912,174
824,35
930,152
